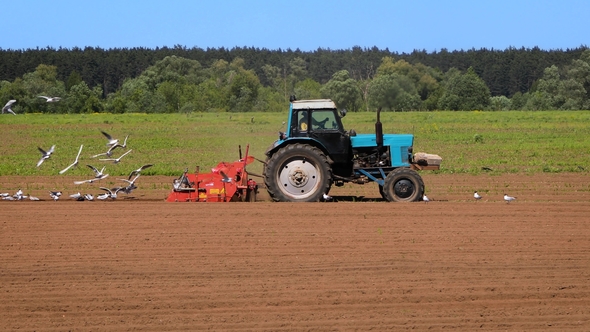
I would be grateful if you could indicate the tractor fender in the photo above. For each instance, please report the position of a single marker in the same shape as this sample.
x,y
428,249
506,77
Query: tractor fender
x,y
302,140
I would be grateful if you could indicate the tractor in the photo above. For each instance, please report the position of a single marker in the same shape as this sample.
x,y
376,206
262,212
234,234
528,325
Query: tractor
x,y
316,152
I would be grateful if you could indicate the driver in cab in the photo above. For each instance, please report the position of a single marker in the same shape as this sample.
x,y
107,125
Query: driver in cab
x,y
303,122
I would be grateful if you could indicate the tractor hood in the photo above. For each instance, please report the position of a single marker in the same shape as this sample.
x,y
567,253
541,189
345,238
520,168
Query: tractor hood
x,y
392,140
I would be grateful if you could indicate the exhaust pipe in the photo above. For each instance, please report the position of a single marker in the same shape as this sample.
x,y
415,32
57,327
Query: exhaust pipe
x,y
379,129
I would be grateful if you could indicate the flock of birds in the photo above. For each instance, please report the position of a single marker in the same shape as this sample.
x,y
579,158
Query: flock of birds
x,y
477,197
109,193
8,107
113,144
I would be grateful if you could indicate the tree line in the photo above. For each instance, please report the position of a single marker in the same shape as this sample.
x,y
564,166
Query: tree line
x,y
179,79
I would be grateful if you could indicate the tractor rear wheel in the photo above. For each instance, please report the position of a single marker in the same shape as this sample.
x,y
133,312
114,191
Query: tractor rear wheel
x,y
403,185
297,173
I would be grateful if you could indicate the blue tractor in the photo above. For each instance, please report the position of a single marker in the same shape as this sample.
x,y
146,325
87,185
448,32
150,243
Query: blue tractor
x,y
316,152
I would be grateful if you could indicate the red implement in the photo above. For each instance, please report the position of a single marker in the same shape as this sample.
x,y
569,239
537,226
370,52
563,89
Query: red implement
x,y
226,182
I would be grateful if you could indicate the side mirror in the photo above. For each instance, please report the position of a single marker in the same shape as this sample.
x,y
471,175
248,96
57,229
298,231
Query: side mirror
x,y
342,112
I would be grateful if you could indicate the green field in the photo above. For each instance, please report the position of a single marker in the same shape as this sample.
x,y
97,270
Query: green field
x,y
505,142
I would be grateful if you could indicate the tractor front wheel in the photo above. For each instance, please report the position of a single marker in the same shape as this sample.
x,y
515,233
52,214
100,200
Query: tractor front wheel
x,y
403,185
297,173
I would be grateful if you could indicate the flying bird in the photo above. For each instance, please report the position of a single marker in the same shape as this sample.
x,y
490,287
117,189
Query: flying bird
x,y
112,141
45,155
137,171
50,99
509,199
7,108
101,154
112,193
98,175
476,196
116,160
75,163
224,177
117,145
130,186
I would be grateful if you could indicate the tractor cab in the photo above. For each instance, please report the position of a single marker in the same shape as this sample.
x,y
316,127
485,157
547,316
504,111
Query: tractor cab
x,y
318,122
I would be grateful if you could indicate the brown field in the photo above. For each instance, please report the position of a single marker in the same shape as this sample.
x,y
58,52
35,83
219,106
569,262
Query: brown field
x,y
358,264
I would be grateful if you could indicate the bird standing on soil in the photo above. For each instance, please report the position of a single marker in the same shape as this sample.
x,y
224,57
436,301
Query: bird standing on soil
x,y
476,196
19,195
77,196
509,199
55,195
327,198
45,155
425,199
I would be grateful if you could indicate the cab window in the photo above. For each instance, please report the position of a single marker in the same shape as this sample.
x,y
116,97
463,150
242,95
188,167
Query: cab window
x,y
323,120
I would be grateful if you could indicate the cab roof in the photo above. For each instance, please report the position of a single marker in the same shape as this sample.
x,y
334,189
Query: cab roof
x,y
314,104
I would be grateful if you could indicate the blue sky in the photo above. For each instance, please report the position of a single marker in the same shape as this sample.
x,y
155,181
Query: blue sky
x,y
400,26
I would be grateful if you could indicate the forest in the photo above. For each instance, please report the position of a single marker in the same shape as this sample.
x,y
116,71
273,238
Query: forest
x,y
184,80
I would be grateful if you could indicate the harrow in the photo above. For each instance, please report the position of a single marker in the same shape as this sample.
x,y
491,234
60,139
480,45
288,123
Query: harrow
x,y
227,182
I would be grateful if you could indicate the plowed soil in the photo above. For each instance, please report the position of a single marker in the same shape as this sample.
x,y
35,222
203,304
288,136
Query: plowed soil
x,y
139,263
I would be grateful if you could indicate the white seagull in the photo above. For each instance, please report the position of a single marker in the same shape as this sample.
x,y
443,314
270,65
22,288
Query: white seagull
x,y
19,195
476,196
88,197
224,177
7,108
112,141
130,186
116,160
102,197
33,198
101,154
50,99
77,196
327,198
112,193
75,163
117,145
508,199
98,175
55,195
425,199
137,171
46,155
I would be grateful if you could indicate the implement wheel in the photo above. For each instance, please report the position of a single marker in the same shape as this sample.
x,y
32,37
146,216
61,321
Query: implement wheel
x,y
403,185
297,173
